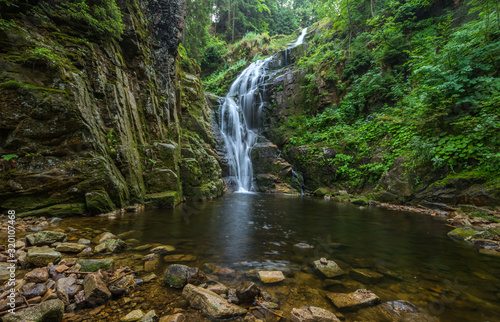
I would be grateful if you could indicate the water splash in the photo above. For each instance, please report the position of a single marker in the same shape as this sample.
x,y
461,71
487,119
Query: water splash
x,y
240,117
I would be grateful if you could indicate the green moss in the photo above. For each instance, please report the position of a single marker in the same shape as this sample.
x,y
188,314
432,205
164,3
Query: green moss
x,y
92,265
60,210
320,192
359,201
168,199
462,233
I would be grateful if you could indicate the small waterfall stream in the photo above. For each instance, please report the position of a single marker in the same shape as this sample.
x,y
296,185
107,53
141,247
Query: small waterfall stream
x,y
239,118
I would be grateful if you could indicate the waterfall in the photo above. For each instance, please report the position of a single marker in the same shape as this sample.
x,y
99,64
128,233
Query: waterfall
x,y
239,118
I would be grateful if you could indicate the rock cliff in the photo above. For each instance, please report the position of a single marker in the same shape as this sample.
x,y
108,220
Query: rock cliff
x,y
90,124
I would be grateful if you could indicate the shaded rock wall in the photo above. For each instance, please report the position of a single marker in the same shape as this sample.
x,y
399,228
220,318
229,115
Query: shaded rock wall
x,y
104,124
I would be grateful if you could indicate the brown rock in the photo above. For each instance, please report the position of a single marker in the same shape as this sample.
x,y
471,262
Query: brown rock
x,y
313,314
269,277
38,275
353,301
211,304
96,292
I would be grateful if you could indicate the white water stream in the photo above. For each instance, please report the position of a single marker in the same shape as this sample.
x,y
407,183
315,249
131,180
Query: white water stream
x,y
239,118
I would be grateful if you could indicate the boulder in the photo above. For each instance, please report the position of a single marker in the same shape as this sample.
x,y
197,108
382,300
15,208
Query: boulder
x,y
211,304
45,238
52,310
96,292
70,247
177,276
312,314
5,270
269,277
43,256
366,276
38,275
35,290
329,269
92,265
179,317
353,301
84,241
163,250
103,237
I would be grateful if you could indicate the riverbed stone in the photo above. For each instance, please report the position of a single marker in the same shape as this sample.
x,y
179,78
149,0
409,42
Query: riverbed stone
x,y
96,292
51,310
103,237
329,270
150,317
312,314
92,265
270,277
462,233
111,245
218,289
163,249
211,304
40,257
247,292
179,317
70,248
179,258
45,238
35,290
133,316
353,301
38,275
366,276
177,276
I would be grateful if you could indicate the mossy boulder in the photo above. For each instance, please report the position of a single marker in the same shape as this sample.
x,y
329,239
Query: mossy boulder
x,y
320,192
161,180
167,199
40,257
98,202
462,233
45,238
92,265
48,311
360,201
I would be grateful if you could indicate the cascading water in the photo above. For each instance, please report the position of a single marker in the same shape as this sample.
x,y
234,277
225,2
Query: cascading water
x,y
239,117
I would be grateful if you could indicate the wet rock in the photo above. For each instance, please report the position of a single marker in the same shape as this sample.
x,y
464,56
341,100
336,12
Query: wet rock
x,y
103,237
42,256
45,238
150,317
149,278
218,289
211,304
303,246
269,277
232,297
178,276
5,270
133,316
87,252
362,262
123,285
247,292
128,234
70,248
353,301
462,233
179,317
330,269
312,314
142,248
92,265
366,275
389,273
96,291
163,250
36,290
52,310
225,272
19,244
111,246
84,241
329,284
151,263
401,307
68,285
38,275
179,258
208,267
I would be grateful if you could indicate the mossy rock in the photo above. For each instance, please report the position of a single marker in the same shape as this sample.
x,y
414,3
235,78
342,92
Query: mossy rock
x,y
320,192
167,199
462,233
92,265
61,210
359,201
98,202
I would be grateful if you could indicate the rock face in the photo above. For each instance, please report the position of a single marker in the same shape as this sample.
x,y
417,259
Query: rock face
x,y
353,301
52,310
312,314
99,125
211,304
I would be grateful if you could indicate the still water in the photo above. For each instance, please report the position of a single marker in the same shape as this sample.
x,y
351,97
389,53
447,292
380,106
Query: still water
x,y
443,277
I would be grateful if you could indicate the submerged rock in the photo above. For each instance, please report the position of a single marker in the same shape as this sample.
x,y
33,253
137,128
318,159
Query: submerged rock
x,y
366,276
247,292
70,247
133,316
103,237
353,301
150,317
330,269
179,317
269,277
462,233
111,246
211,304
312,314
179,258
163,250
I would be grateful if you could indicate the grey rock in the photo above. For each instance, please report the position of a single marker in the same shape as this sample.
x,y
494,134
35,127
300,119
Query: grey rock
x,y
45,238
211,304
52,310
42,256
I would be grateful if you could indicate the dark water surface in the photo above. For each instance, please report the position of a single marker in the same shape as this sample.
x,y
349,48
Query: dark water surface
x,y
441,276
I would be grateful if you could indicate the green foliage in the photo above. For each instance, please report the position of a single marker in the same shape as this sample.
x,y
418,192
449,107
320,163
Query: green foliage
x,y
8,157
218,83
101,19
214,54
42,57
